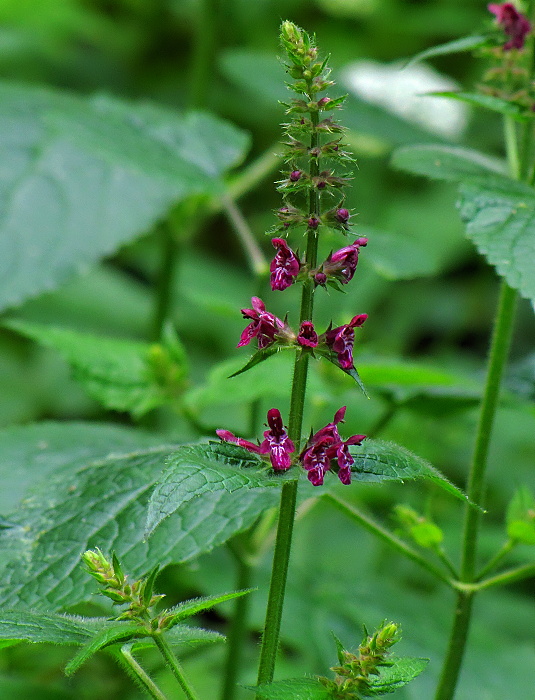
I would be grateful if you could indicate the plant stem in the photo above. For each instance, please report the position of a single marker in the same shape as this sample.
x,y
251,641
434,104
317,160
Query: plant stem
x,y
166,278
517,574
496,559
281,556
255,255
202,54
379,531
139,674
238,627
173,665
499,349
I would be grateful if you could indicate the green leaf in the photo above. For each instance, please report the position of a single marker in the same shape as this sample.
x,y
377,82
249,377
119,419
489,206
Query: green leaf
x,y
87,504
39,450
378,460
118,633
148,585
37,627
466,43
494,104
261,356
123,375
450,163
352,372
396,256
198,470
402,671
293,689
500,221
84,175
521,516
197,605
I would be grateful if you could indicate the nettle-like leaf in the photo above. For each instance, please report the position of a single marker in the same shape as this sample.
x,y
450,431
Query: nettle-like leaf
x,y
206,470
82,176
293,689
402,671
498,212
197,605
378,460
86,504
37,627
123,375
118,633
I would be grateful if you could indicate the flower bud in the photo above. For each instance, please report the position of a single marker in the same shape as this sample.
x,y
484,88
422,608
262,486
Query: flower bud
x,y
342,215
313,222
295,175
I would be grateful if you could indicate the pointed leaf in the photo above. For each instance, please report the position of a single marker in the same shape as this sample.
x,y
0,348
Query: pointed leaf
x,y
103,504
124,375
466,43
261,356
500,221
196,470
494,104
450,163
402,671
352,372
37,627
119,633
182,636
377,460
196,605
84,175
148,585
292,689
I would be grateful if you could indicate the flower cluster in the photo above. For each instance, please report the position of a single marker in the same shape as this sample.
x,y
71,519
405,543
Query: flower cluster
x,y
269,329
312,190
513,23
322,449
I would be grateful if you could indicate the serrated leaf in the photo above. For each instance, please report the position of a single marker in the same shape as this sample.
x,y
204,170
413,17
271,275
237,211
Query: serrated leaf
x,y
116,634
500,221
37,627
494,104
466,43
184,637
196,605
123,375
451,163
103,504
402,671
197,470
82,176
41,449
378,460
293,689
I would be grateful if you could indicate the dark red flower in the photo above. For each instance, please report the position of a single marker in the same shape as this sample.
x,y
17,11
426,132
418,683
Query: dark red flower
x,y
340,340
263,326
284,266
307,335
513,24
343,263
276,442
326,445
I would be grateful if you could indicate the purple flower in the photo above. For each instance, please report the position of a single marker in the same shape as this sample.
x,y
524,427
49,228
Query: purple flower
x,y
326,445
263,326
342,215
513,23
295,175
284,266
343,263
276,442
307,335
340,340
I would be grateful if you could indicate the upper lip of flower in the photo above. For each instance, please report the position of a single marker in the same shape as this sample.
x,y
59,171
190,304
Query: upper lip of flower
x,y
264,325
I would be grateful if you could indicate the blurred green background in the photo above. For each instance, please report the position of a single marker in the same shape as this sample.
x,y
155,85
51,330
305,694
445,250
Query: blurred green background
x,y
430,299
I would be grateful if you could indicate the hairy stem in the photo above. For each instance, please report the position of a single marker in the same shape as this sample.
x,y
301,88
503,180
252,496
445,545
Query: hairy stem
x,y
238,628
139,674
174,666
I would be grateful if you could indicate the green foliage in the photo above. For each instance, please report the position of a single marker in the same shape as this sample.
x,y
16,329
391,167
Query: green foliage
x,y
466,43
123,375
297,688
127,165
521,517
490,102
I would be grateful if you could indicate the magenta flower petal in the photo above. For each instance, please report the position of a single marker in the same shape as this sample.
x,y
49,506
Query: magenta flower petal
x,y
277,442
227,436
307,335
284,266
263,326
340,340
513,23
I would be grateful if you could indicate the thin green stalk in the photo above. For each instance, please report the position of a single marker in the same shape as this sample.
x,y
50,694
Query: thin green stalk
x,y
499,350
173,665
203,53
238,628
139,674
257,260
166,279
496,559
388,537
517,574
